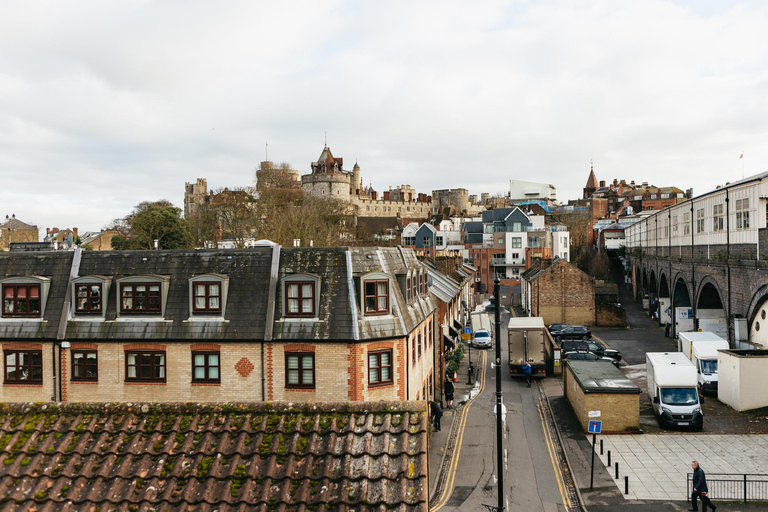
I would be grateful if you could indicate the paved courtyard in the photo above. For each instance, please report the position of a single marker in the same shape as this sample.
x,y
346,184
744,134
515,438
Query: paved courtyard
x,y
657,464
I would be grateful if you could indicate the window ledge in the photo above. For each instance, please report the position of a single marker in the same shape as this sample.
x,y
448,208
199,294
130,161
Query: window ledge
x,y
378,316
148,383
83,381
299,319
302,390
88,319
18,320
140,318
372,387
207,319
204,384
23,384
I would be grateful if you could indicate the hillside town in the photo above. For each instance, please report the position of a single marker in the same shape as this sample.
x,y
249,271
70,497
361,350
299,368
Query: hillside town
x,y
591,298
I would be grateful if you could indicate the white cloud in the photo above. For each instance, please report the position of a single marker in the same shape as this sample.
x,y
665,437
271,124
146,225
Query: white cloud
x,y
104,105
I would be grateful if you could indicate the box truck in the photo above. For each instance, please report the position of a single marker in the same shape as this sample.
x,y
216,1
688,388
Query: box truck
x,y
701,348
527,336
481,323
673,390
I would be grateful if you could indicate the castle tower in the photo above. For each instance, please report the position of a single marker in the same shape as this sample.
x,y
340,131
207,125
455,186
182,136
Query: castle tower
x,y
328,178
357,183
591,186
194,196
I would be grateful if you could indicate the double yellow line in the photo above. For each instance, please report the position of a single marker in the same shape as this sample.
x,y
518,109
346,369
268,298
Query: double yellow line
x,y
448,487
561,485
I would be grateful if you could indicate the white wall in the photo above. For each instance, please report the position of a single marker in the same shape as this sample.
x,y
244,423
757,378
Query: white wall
x,y
742,381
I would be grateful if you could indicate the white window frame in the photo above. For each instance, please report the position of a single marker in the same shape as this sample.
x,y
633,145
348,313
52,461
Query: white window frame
x,y
223,281
163,281
45,286
292,278
106,284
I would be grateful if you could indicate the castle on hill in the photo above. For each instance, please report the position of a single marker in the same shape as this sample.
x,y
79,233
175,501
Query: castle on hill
x,y
328,179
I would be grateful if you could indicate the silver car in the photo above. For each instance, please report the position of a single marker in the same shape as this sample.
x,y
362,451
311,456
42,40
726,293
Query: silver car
x,y
482,339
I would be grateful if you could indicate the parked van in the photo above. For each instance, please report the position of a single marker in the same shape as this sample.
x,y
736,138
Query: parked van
x,y
673,390
701,348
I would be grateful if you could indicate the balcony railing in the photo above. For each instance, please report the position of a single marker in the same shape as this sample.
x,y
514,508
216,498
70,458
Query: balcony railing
x,y
498,261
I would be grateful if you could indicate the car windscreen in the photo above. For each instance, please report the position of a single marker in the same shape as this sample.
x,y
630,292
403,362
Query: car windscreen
x,y
679,396
709,366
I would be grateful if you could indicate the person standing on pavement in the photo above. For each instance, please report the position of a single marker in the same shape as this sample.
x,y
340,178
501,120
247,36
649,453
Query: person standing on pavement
x,y
449,389
437,413
700,489
527,372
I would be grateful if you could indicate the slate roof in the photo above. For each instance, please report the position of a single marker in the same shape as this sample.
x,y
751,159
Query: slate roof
x,y
41,264
248,301
248,271
253,456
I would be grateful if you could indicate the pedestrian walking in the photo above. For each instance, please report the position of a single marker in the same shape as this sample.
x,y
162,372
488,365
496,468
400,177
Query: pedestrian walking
x,y
449,389
437,413
527,372
700,489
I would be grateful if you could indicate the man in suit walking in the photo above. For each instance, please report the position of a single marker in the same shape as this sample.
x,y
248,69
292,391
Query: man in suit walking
x,y
700,489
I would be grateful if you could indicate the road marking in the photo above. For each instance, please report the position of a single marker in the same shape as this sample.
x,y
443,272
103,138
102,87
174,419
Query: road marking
x,y
553,458
448,488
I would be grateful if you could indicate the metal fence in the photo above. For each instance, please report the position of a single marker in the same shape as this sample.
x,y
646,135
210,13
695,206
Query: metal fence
x,y
733,487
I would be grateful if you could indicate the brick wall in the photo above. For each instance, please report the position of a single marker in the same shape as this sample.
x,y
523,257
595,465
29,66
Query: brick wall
x,y
610,315
12,392
619,411
564,294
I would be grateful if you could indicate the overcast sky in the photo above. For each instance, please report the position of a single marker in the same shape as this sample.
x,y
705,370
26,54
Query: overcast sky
x,y
107,104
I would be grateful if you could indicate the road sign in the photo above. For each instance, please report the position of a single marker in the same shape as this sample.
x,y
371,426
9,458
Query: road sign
x,y
595,426
467,330
466,336
594,414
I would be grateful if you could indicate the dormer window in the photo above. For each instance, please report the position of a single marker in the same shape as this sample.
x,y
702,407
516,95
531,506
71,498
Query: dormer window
x,y
145,295
90,295
207,297
21,300
140,298
24,297
374,291
408,289
300,295
88,298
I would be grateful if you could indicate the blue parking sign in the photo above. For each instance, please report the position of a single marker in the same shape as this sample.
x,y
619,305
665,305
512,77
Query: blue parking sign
x,y
594,426
467,330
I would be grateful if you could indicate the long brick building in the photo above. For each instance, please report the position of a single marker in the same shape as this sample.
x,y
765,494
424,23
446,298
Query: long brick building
x,y
267,323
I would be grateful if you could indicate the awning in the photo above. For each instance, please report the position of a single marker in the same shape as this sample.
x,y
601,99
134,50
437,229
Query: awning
x,y
453,331
447,343
458,325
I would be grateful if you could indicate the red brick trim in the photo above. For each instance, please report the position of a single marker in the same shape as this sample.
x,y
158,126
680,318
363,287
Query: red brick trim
x,y
270,373
144,383
64,373
20,345
14,385
299,390
378,345
376,387
206,384
356,376
84,346
84,382
400,355
299,348
205,346
143,346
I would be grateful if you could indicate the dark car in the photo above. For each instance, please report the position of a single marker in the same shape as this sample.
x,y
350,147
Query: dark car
x,y
589,356
590,346
572,332
557,327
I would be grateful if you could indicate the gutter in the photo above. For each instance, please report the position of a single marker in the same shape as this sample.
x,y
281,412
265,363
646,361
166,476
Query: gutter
x,y
270,320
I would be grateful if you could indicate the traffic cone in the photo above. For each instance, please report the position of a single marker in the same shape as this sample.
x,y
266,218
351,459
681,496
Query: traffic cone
x,y
455,377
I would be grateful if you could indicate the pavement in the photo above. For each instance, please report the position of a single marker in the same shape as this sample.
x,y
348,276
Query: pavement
x,y
655,464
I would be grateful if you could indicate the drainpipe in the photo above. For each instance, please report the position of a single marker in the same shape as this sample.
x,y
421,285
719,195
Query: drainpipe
x,y
693,272
728,249
53,360
670,283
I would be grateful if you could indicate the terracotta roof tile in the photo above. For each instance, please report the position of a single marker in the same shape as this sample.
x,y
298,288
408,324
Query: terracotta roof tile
x,y
251,456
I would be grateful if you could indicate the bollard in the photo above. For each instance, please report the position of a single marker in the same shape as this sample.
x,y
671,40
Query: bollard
x,y
601,447
617,470
609,458
626,485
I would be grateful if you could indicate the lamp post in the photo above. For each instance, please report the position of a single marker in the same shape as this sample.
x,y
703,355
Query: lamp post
x,y
499,448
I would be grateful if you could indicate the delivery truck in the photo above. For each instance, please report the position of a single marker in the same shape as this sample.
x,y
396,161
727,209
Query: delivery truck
x,y
527,336
673,390
481,321
701,348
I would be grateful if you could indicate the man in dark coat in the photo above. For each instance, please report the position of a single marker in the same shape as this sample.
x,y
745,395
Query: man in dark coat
x,y
449,389
700,489
437,413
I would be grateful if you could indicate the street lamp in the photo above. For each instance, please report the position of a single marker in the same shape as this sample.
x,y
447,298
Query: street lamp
x,y
469,342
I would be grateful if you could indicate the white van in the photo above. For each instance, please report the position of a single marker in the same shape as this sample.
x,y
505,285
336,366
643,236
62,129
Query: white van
x,y
701,348
673,390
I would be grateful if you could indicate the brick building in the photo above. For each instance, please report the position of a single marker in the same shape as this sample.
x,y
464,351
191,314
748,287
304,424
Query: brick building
x,y
12,230
266,323
560,293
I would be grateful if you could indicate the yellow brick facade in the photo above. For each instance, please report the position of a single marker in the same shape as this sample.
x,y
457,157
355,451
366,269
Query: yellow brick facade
x,y
618,411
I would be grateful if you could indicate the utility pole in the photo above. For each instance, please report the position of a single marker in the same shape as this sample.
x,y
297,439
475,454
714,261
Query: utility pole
x,y
499,436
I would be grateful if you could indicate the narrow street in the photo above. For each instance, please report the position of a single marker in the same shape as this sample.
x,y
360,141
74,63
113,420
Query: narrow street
x,y
532,478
